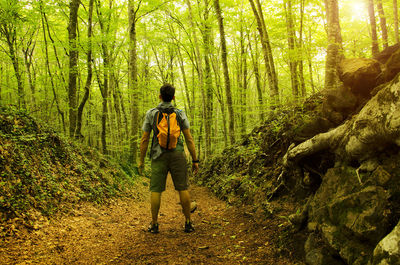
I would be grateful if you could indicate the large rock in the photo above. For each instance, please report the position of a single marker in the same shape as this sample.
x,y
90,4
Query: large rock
x,y
319,254
360,74
384,55
387,252
392,66
350,216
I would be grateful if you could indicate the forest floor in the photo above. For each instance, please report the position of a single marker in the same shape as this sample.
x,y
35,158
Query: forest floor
x,y
117,234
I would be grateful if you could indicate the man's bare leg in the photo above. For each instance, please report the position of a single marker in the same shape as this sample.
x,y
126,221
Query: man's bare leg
x,y
155,205
185,201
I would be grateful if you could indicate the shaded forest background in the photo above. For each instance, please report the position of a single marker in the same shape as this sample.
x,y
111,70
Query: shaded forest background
x,y
92,68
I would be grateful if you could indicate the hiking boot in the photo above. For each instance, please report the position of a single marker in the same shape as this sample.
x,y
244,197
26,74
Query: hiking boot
x,y
189,227
153,228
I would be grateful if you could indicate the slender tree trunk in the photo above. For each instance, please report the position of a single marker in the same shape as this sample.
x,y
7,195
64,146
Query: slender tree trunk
x,y
309,59
124,114
185,83
371,12
207,96
224,57
396,20
254,60
60,111
292,48
117,104
220,99
104,87
243,77
88,83
10,33
267,51
60,67
133,81
334,54
382,21
73,65
301,52
198,66
28,55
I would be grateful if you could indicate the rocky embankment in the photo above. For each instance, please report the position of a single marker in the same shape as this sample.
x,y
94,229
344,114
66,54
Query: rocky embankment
x,y
335,160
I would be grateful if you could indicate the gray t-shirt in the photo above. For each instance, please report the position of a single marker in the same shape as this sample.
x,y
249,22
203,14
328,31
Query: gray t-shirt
x,y
156,149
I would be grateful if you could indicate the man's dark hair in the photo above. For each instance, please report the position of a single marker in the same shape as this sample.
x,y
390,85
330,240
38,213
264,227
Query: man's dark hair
x,y
167,92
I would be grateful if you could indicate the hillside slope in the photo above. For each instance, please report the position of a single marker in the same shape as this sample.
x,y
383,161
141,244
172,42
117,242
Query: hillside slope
x,y
42,173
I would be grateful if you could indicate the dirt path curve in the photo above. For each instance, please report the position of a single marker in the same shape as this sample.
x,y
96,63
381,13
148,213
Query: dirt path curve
x,y
116,234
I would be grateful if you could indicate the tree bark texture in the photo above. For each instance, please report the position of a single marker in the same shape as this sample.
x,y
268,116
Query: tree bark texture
x,y
372,20
73,65
334,51
224,58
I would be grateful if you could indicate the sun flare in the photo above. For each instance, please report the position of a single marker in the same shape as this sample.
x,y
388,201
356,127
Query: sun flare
x,y
359,10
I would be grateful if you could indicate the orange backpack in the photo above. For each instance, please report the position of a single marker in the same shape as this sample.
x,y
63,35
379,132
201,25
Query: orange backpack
x,y
168,129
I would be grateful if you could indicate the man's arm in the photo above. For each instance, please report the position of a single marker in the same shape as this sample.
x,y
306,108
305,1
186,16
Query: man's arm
x,y
192,149
144,143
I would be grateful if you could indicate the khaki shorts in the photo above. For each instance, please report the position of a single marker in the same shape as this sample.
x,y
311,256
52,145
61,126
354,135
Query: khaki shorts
x,y
173,162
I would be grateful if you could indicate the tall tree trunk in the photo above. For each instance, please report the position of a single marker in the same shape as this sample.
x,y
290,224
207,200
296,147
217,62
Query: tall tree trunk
x,y
334,53
224,57
117,104
396,20
10,33
28,60
371,12
185,83
73,65
309,59
207,96
301,52
133,80
60,111
243,77
382,21
198,66
292,48
220,98
88,83
104,87
254,60
267,51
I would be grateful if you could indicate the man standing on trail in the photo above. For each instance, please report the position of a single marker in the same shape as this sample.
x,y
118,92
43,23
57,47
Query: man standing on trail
x,y
167,153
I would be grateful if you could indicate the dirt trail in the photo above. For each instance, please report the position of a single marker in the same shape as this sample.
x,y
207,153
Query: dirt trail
x,y
116,234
